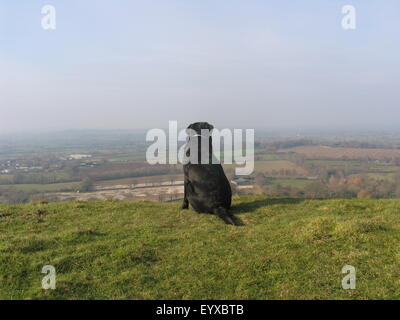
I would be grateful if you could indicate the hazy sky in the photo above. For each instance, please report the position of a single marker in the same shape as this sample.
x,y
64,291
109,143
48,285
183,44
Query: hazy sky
x,y
247,63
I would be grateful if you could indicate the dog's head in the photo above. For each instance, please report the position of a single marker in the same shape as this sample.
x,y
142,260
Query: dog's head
x,y
199,128
199,133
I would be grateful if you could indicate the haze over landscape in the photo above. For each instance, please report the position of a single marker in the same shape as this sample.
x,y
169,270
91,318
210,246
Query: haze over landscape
x,y
138,64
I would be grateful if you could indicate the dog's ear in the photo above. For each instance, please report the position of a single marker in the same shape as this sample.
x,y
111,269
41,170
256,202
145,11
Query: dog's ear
x,y
198,126
191,129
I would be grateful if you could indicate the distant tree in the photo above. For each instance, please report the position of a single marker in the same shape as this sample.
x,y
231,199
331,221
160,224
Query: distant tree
x,y
18,178
161,196
364,194
230,174
72,170
235,190
316,189
86,184
260,180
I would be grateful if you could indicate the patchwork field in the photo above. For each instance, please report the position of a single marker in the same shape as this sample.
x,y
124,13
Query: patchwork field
x,y
118,179
274,166
291,182
51,187
147,179
325,152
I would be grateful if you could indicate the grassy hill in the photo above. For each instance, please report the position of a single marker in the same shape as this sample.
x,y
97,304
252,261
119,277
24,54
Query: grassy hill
x,y
287,249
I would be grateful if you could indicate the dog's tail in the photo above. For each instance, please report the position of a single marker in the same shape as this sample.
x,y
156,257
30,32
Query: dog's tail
x,y
224,214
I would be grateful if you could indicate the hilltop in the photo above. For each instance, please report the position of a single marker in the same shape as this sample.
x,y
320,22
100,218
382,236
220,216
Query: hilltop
x,y
288,248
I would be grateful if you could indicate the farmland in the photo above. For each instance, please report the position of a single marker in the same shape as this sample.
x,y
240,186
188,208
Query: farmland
x,y
111,165
327,152
276,167
52,187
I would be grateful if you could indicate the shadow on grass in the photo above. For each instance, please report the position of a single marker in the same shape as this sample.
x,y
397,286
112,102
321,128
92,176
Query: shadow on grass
x,y
249,207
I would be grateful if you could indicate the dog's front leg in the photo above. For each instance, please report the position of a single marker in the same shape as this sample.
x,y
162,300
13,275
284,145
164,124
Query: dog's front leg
x,y
185,204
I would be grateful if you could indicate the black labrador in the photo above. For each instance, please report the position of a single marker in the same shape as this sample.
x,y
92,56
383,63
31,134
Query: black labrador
x,y
207,188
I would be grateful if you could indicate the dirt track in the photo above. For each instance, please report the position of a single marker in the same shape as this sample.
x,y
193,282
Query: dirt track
x,y
124,192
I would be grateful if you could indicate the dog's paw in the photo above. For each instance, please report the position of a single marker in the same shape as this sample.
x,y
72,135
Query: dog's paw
x,y
185,206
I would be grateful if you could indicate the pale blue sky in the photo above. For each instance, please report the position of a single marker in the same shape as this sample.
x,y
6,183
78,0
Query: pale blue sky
x,y
248,63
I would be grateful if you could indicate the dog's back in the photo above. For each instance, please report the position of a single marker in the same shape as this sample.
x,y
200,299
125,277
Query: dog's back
x,y
208,187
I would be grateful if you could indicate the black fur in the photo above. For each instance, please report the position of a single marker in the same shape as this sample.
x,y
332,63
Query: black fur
x,y
207,188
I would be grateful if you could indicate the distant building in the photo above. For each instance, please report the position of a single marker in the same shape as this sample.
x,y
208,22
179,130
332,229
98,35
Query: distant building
x,y
89,164
79,156
28,168
242,181
18,167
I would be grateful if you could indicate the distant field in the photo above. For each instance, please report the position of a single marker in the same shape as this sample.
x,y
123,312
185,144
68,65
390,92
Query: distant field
x,y
291,182
270,165
336,163
128,157
53,187
325,152
357,165
273,156
148,179
378,176
55,176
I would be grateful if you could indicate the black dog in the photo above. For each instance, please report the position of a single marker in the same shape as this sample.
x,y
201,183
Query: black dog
x,y
206,187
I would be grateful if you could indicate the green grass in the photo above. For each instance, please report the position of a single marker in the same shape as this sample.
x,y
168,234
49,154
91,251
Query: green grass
x,y
287,249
